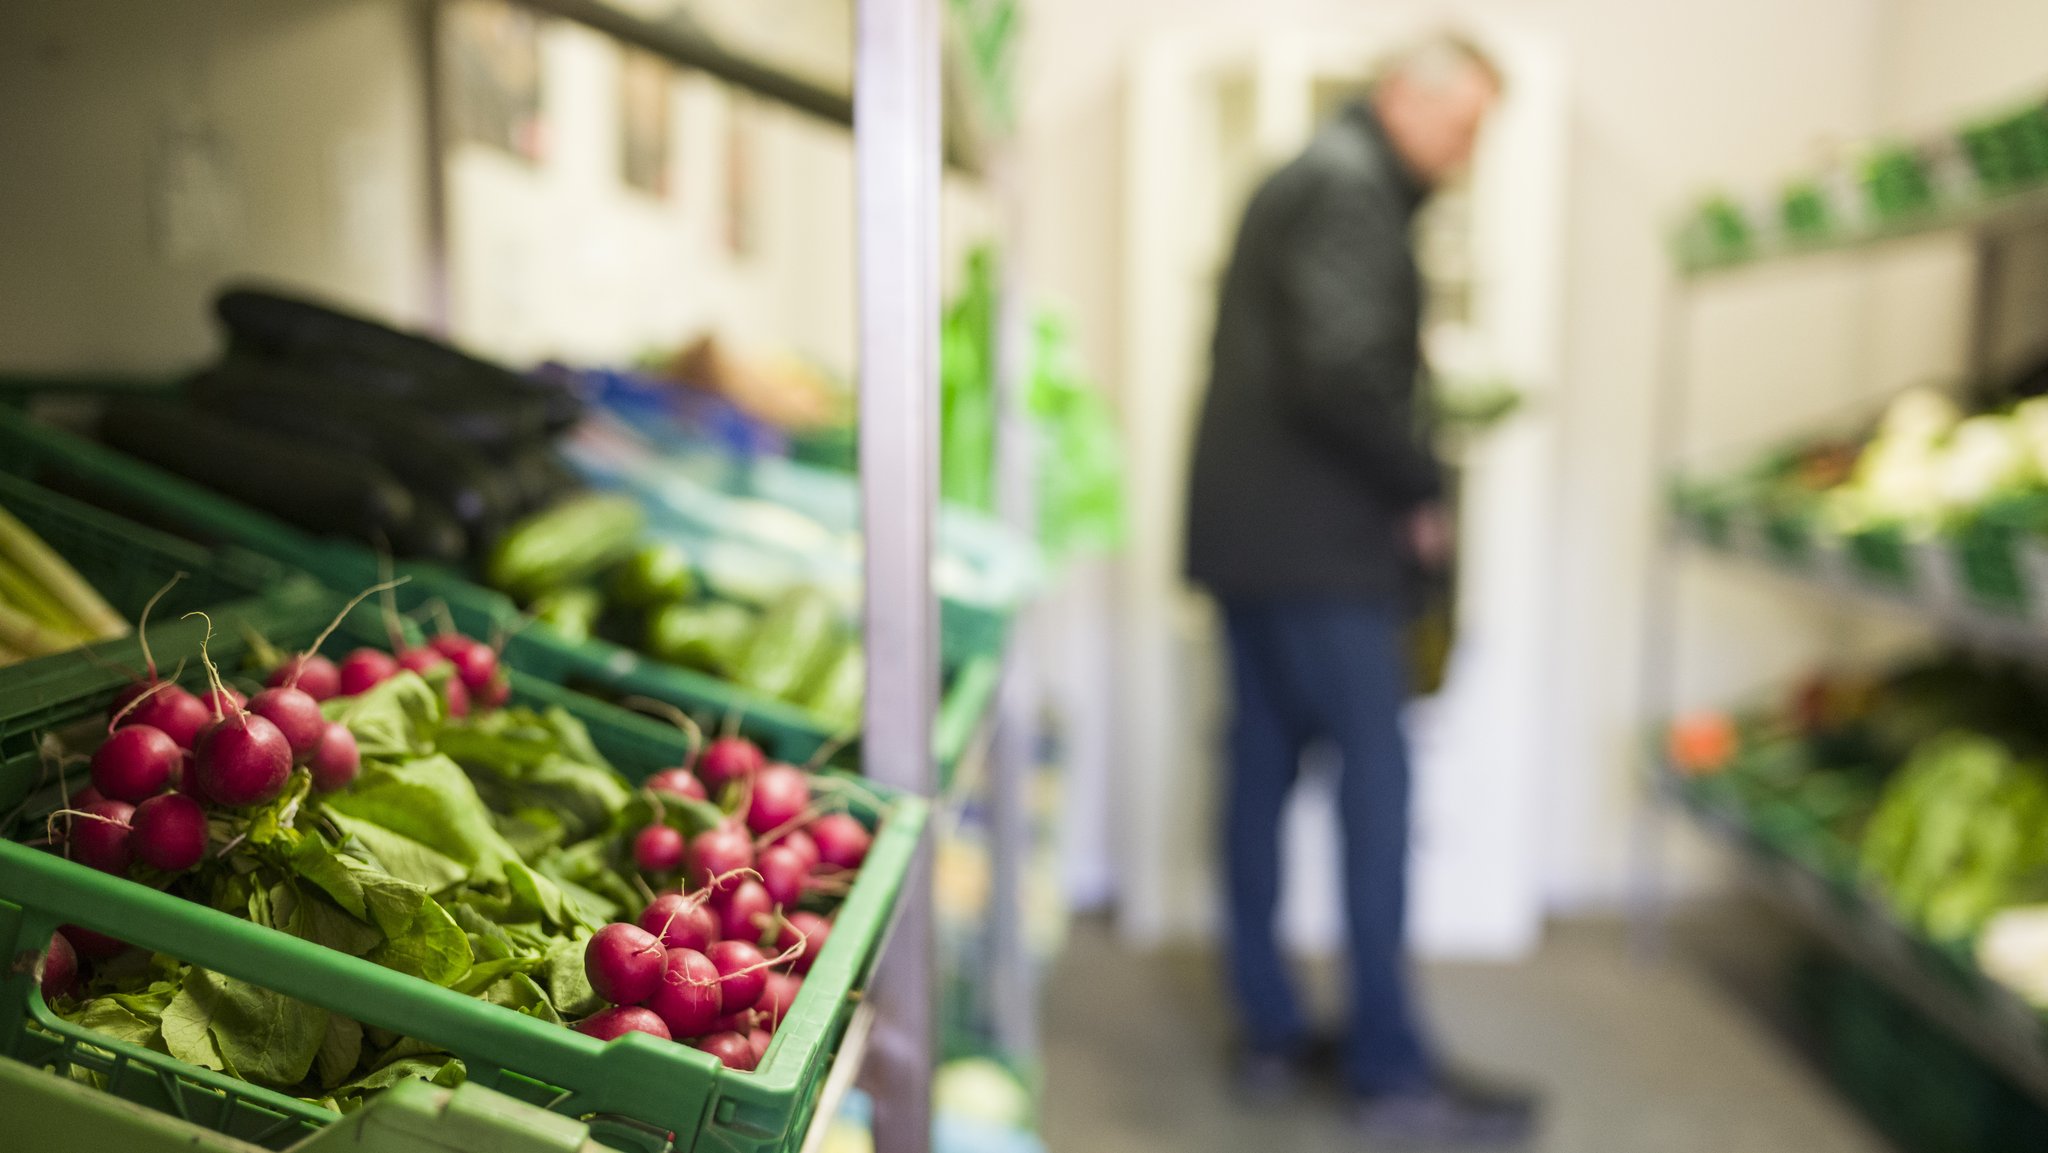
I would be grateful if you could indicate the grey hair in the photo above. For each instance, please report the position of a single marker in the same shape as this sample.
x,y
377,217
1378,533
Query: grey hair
x,y
1435,61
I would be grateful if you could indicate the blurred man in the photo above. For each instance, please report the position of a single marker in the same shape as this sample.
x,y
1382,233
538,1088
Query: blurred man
x,y
1314,504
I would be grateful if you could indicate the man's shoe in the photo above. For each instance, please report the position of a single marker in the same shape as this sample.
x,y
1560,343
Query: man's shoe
x,y
1445,1115
1264,1077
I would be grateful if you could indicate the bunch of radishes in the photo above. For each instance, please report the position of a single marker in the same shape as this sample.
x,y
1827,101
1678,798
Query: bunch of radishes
x,y
169,753
474,678
696,966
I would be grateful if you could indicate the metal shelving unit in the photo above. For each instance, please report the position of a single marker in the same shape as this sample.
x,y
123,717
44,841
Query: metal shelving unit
x,y
1981,1015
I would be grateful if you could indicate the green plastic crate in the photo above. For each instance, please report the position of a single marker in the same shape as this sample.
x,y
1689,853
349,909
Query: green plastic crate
x,y
46,1111
633,1091
1881,558
113,480
1989,547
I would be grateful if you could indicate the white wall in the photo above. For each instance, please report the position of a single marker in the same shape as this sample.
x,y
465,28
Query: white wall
x,y
561,258
1666,98
153,150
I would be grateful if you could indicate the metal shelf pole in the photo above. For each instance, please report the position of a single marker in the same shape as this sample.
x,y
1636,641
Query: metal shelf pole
x,y
1013,761
897,173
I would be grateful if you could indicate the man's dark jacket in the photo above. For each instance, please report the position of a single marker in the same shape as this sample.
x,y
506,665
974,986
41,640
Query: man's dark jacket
x,y
1308,457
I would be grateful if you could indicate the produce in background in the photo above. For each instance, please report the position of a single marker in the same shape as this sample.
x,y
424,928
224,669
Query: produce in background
x,y
1927,467
1960,833
45,606
341,426
584,569
490,853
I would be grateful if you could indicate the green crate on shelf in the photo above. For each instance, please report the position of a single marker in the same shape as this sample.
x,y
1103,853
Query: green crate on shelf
x,y
1788,537
46,1111
1919,1086
1804,213
1899,184
1881,557
1989,547
128,563
112,480
633,1090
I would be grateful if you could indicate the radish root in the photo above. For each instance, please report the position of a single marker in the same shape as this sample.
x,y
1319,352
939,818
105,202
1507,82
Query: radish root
x,y
142,625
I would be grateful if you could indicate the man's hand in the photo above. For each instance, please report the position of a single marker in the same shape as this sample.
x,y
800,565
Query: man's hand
x,y
1432,535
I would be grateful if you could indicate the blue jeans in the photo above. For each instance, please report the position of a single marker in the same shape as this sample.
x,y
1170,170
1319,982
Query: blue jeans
x,y
1305,670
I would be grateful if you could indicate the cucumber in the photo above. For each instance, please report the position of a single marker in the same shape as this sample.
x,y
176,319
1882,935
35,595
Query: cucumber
x,y
838,691
304,483
798,636
709,636
576,539
657,573
434,464
356,352
571,612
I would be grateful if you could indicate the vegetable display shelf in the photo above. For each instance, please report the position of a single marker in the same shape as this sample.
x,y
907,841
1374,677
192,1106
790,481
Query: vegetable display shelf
x,y
1944,984
634,1092
127,564
110,480
2001,211
1990,590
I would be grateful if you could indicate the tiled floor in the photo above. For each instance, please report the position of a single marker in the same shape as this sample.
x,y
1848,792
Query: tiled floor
x,y
1632,1057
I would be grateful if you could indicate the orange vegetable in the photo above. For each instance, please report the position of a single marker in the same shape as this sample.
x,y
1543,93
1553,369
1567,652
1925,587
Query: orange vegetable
x,y
1703,743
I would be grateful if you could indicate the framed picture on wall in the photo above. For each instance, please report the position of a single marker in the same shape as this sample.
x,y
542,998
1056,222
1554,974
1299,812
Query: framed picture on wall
x,y
646,83
742,146
491,53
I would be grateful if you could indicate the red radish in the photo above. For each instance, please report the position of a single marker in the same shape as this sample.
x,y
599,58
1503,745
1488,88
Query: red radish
x,y
781,794
658,849
619,1020
495,693
811,930
453,645
169,832
757,1040
456,695
86,796
842,841
421,661
688,998
476,666
242,759
336,761
731,1049
186,779
624,963
60,967
783,873
365,669
680,922
173,711
800,843
129,694
225,699
742,972
135,762
718,851
779,994
296,715
729,759
99,836
92,945
677,783
311,674
742,911
738,1022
